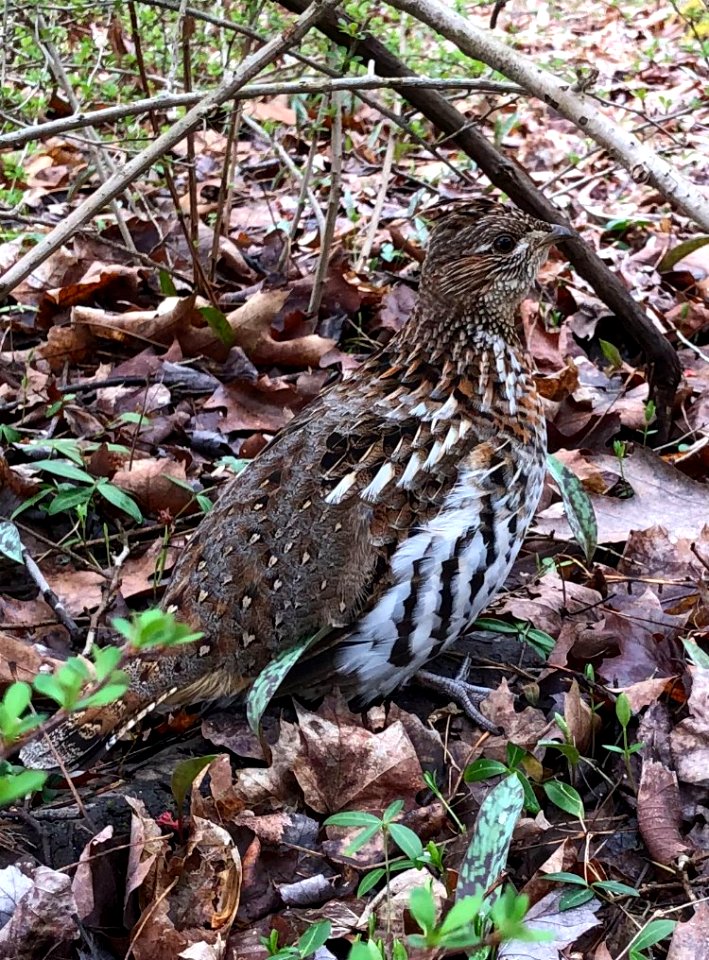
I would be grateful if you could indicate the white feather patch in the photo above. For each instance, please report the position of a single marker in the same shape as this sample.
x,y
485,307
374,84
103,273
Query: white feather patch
x,y
338,493
384,476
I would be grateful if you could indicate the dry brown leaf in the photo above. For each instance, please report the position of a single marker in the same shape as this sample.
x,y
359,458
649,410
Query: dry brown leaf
x,y
662,496
152,483
342,766
252,323
45,914
690,738
660,813
20,660
690,940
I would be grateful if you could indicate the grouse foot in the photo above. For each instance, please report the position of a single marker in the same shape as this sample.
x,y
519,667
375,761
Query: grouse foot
x,y
465,694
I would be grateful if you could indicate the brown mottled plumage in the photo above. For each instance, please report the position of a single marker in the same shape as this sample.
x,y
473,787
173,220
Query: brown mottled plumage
x,y
387,514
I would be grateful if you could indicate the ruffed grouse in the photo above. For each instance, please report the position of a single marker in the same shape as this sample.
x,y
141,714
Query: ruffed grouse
x,y
386,515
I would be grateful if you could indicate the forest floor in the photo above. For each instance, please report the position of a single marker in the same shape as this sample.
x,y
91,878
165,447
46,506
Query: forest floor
x,y
127,399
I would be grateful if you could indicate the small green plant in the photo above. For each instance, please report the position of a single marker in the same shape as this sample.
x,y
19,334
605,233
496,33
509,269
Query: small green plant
x,y
485,769
310,942
581,891
649,412
78,684
524,630
79,491
624,713
155,628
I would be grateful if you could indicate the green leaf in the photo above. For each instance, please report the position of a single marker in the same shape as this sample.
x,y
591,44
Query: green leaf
x,y
611,353
264,687
167,284
370,880
682,250
183,777
219,325
462,913
565,797
570,899
105,660
17,698
531,804
48,686
564,877
68,499
352,818
406,840
62,469
486,855
119,498
622,710
393,810
10,542
15,786
495,626
422,907
109,694
362,838
515,755
697,656
577,504
484,769
613,886
653,933
314,938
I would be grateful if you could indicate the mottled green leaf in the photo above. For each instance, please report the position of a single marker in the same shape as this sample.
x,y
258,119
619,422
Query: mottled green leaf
x,y
577,504
486,855
272,676
10,542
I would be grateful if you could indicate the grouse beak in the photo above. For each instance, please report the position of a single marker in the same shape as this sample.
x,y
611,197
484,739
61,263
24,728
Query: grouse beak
x,y
557,234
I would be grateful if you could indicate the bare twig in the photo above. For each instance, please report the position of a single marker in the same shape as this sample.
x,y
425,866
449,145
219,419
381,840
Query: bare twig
x,y
285,157
333,206
643,164
145,159
49,596
305,85
108,595
98,152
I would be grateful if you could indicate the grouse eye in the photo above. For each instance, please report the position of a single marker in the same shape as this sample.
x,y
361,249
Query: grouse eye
x,y
504,243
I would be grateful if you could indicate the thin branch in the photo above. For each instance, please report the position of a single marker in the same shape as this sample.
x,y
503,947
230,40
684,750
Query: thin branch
x,y
333,206
305,85
146,158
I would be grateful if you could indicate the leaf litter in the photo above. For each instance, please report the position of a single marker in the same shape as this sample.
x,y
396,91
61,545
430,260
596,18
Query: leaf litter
x,y
163,395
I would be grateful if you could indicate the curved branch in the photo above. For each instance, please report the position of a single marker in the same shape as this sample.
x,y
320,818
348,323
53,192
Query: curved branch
x,y
643,164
